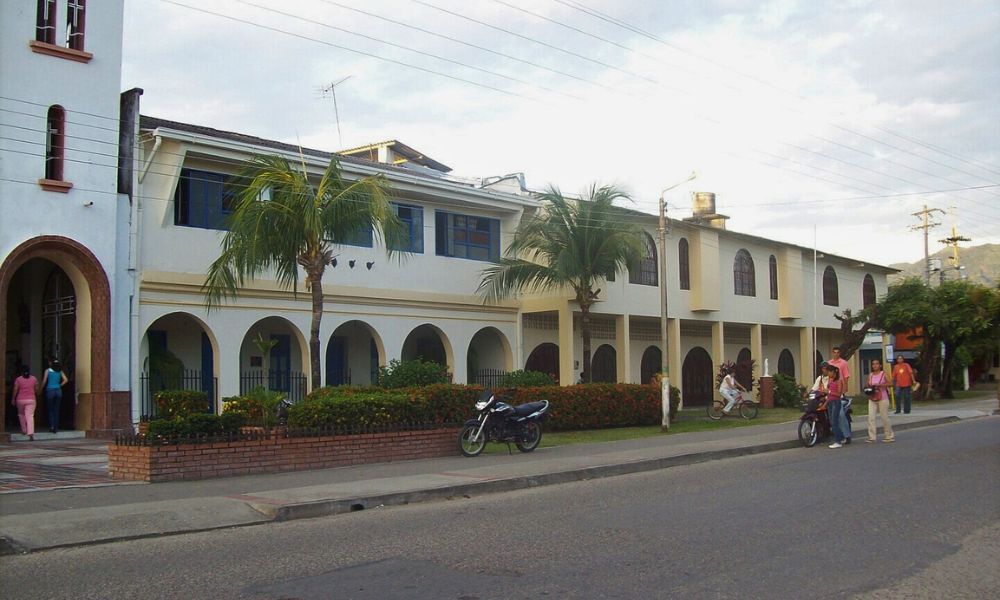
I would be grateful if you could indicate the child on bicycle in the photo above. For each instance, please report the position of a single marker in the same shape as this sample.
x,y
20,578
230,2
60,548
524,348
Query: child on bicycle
x,y
730,390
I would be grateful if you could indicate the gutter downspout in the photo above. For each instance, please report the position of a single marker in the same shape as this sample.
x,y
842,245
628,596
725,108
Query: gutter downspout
x,y
133,269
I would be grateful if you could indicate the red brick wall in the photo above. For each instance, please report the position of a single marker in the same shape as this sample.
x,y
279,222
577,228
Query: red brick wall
x,y
275,454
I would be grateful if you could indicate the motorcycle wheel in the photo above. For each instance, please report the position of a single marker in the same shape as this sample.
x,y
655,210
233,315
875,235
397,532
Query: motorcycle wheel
x,y
748,410
532,437
715,410
468,445
808,434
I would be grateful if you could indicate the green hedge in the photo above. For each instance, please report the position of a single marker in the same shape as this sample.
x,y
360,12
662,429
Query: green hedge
x,y
173,404
259,407
408,373
196,425
585,406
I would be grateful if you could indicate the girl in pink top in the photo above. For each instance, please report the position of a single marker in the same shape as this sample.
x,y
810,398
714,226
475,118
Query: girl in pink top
x,y
23,397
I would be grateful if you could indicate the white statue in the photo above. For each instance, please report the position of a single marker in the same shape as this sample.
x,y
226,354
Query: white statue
x,y
766,372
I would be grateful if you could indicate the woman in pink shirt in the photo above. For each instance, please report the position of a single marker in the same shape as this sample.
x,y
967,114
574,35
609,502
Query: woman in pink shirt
x,y
878,402
23,397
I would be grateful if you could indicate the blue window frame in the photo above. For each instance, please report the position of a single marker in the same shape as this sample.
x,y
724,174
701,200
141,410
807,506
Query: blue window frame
x,y
204,199
412,218
364,239
467,236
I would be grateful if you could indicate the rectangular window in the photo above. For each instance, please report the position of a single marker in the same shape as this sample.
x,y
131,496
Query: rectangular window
x,y
364,239
204,199
45,22
74,24
412,218
467,236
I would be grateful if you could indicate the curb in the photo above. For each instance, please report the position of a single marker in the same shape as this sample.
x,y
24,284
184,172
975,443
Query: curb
x,y
323,508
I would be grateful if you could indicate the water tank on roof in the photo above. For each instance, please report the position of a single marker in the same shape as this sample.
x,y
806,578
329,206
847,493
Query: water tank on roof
x,y
703,203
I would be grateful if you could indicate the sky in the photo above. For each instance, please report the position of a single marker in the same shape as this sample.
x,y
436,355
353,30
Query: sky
x,y
812,121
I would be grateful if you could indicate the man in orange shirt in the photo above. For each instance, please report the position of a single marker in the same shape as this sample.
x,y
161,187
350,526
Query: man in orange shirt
x,y
902,377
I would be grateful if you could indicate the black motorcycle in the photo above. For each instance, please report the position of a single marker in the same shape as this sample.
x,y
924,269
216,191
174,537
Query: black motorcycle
x,y
814,425
498,421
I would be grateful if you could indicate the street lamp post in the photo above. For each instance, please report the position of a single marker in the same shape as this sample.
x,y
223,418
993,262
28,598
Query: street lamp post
x,y
665,375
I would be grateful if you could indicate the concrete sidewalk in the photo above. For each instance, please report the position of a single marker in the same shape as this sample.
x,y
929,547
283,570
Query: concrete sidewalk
x,y
71,517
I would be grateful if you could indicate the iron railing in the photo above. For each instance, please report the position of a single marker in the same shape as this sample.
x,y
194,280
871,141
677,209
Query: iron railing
x,y
490,378
188,379
291,383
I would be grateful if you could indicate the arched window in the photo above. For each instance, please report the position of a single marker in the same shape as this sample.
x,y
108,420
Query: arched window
x,y
55,136
744,280
831,292
786,363
772,267
868,290
646,273
683,268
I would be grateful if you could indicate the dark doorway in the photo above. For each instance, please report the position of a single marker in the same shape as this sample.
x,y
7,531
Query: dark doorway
x,y
280,363
786,363
544,359
59,340
604,365
744,368
651,364
698,385
336,362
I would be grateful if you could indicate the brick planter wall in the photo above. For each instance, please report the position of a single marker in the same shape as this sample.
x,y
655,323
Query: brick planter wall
x,y
275,454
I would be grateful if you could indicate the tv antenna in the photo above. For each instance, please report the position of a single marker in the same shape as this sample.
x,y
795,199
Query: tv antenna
x,y
331,90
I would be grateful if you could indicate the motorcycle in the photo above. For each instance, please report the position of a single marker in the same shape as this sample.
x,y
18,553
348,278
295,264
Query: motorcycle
x,y
498,421
814,425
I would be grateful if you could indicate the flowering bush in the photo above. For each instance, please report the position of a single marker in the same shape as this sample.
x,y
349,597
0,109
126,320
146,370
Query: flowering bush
x,y
173,404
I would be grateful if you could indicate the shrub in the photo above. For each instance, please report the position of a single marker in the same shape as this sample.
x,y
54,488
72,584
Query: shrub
x,y
522,378
787,392
172,404
597,405
199,424
409,373
258,406
346,407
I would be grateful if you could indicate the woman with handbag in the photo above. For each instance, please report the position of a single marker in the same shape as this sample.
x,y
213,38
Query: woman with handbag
x,y
877,391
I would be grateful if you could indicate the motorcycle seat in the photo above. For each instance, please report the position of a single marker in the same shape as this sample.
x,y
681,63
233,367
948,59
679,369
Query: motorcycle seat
x,y
526,409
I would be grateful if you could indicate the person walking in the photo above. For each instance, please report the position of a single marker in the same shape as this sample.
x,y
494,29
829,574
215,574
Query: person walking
x,y
836,411
878,402
23,397
902,377
54,379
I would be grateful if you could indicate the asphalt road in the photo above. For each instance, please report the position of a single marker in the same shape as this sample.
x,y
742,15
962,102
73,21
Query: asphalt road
x,y
919,518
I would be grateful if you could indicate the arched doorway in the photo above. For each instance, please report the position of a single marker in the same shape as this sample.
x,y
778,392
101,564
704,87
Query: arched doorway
x,y
429,343
274,355
178,351
652,362
697,375
79,322
744,368
544,359
604,365
489,357
353,355
786,363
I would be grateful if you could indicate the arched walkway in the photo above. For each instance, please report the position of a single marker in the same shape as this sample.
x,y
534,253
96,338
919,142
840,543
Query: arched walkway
x,y
99,408
650,365
544,359
489,357
275,355
429,343
178,351
604,365
698,378
353,355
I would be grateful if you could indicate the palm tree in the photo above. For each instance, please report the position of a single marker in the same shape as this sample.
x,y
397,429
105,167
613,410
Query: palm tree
x,y
568,243
280,221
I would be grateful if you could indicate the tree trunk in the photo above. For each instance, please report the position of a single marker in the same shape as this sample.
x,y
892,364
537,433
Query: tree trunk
x,y
316,290
585,332
928,360
947,366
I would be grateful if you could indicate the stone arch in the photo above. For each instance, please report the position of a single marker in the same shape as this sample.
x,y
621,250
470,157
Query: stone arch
x,y
107,410
488,356
697,377
200,363
283,376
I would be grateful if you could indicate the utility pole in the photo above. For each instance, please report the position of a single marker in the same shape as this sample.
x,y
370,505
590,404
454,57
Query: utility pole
x,y
926,225
953,242
332,90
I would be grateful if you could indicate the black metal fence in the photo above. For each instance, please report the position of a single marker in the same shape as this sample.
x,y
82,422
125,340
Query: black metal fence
x,y
187,379
291,383
490,378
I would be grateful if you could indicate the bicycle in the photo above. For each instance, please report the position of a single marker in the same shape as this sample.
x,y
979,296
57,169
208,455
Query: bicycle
x,y
747,407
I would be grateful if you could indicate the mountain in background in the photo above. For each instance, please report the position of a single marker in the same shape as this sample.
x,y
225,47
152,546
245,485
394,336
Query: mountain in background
x,y
982,263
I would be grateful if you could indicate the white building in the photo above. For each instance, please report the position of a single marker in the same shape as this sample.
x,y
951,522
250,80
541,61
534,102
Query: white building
x,y
112,221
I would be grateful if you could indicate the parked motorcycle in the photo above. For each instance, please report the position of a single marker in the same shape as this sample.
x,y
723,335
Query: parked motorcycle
x,y
814,425
498,421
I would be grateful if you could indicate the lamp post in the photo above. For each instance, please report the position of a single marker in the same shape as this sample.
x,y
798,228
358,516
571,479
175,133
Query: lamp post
x,y
665,376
